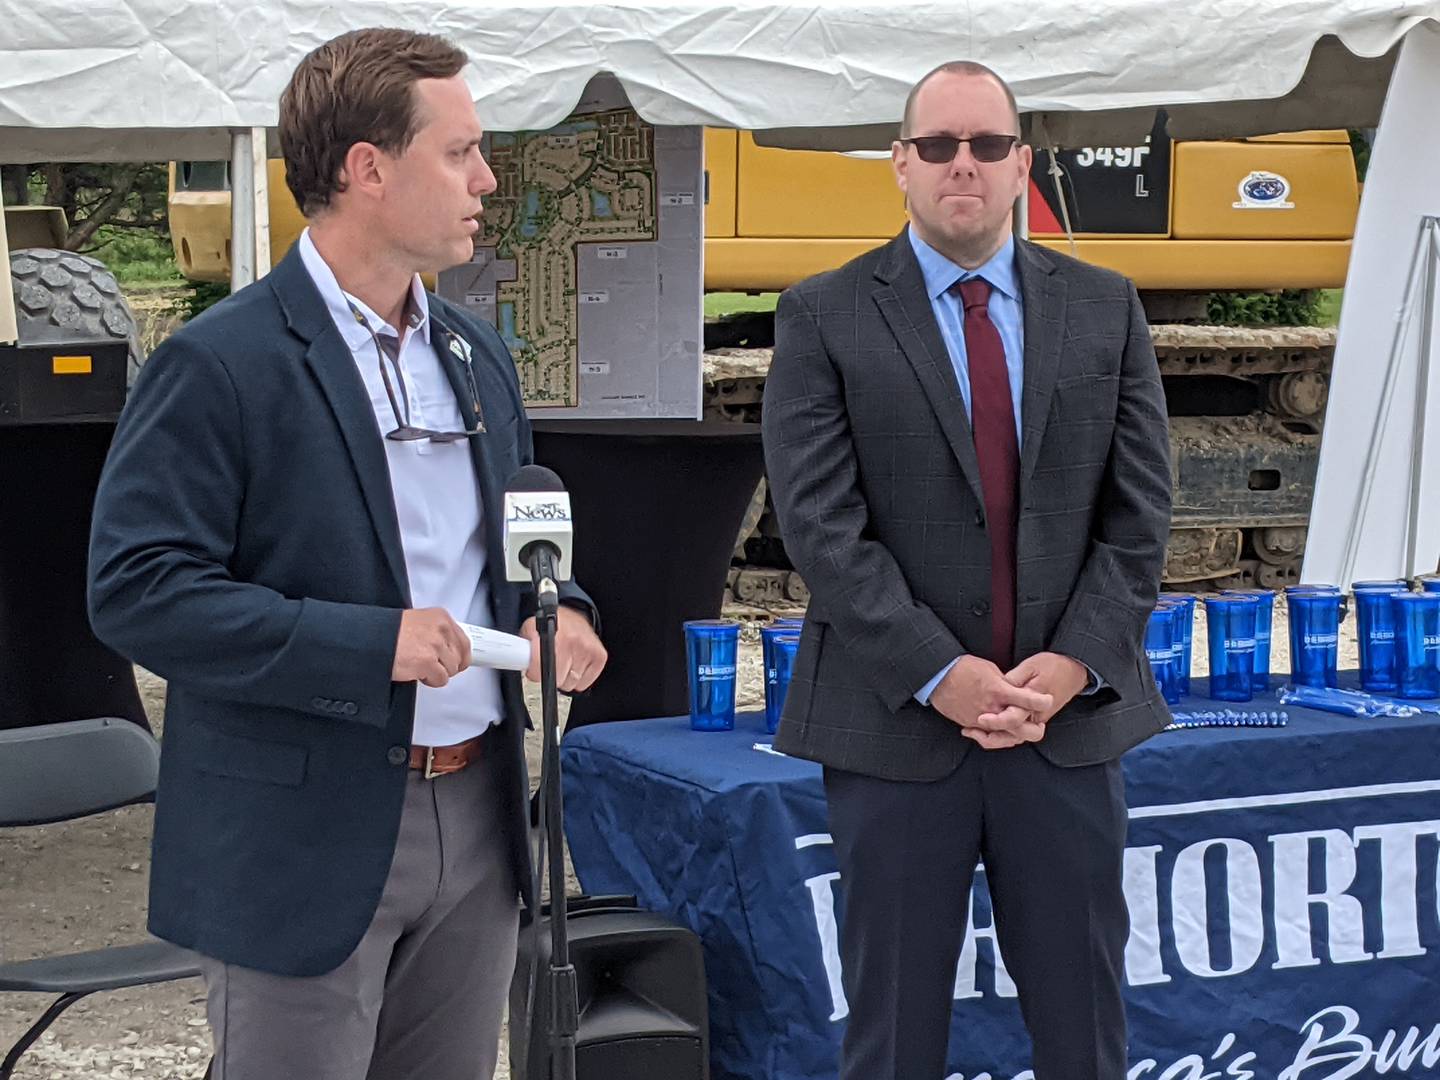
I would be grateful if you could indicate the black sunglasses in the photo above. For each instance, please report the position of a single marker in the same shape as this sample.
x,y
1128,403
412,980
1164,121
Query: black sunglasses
x,y
405,431
941,149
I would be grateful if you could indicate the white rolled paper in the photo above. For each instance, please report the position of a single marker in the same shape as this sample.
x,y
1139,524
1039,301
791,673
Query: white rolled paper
x,y
497,649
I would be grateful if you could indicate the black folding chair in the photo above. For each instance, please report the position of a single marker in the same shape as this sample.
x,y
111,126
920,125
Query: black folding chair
x,y
57,772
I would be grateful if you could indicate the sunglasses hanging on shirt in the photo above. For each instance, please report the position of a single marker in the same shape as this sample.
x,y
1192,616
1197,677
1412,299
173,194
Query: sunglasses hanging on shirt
x,y
404,431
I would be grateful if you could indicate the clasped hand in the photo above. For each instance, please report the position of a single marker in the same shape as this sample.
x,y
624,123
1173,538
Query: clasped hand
x,y
1000,709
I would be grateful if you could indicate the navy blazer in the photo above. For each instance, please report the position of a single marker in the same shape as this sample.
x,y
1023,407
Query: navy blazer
x,y
245,547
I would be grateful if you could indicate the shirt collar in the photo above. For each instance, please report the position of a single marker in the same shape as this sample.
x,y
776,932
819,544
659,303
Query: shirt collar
x,y
338,301
941,274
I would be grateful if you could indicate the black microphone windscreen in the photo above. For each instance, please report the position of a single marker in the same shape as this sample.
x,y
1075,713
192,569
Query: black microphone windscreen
x,y
535,478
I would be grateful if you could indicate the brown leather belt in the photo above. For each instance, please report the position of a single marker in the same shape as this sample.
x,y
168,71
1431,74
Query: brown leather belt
x,y
436,761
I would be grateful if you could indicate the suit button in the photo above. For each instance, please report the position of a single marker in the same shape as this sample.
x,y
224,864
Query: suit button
x,y
980,607
980,518
397,755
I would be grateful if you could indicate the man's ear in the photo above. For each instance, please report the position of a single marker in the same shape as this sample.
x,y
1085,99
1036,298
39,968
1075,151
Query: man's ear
x,y
1024,159
362,169
900,162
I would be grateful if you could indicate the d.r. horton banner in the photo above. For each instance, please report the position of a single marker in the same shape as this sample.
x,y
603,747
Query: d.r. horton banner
x,y
1267,942
1281,884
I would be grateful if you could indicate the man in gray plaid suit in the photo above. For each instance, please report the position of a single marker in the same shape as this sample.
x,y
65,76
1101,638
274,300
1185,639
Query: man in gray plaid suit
x,y
966,440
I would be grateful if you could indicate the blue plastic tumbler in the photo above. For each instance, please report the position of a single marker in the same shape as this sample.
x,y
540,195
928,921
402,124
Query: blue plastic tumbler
x,y
1230,627
1184,638
785,650
1417,644
710,646
1375,629
1314,637
1384,584
770,638
1160,650
1264,623
1291,590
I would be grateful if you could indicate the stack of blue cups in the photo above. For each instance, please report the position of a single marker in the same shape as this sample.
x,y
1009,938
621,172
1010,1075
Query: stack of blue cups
x,y
1314,634
1230,622
1375,633
1184,604
1428,582
1160,650
1264,624
778,643
1417,643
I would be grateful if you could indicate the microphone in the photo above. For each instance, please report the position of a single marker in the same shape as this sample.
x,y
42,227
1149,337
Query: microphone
x,y
537,548
539,537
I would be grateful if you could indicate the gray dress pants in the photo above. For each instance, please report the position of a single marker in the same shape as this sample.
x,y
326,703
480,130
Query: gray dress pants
x,y
423,993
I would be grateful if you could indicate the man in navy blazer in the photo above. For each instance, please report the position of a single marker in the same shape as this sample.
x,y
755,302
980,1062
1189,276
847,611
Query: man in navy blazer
x,y
302,499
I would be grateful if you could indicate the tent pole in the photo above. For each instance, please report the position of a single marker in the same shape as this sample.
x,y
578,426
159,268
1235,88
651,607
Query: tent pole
x,y
242,208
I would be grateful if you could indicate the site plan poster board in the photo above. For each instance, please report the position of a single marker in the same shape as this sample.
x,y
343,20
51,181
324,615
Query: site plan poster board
x,y
588,262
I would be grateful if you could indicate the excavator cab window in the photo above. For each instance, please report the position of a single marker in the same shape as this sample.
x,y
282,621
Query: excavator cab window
x,y
202,176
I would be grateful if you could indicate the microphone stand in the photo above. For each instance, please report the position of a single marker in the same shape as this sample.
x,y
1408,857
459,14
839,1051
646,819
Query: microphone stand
x,y
564,995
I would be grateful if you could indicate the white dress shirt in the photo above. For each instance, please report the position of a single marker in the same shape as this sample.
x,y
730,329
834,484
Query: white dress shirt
x,y
437,497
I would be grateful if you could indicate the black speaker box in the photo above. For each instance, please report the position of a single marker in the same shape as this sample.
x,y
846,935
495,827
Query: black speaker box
x,y
641,981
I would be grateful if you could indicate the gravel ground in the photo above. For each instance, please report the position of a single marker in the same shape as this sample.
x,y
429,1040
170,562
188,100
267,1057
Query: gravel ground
x,y
81,885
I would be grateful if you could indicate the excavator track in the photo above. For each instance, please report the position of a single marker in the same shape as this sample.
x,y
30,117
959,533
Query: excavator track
x,y
1246,409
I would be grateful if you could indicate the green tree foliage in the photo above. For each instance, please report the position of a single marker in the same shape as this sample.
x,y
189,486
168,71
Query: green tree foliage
x,y
1288,307
124,198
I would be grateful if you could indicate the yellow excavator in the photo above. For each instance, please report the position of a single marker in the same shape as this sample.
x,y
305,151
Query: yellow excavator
x,y
1184,220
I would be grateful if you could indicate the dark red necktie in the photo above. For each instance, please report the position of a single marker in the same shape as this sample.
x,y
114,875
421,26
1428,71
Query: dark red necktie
x,y
992,418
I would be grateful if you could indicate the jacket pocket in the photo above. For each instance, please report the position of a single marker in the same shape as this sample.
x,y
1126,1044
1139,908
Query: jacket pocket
x,y
243,758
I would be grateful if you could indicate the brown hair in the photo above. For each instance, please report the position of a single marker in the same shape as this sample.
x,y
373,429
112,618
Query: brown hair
x,y
357,87
958,67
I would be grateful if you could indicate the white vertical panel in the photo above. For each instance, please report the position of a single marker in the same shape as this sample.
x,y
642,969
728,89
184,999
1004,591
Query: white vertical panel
x,y
8,333
260,184
1377,495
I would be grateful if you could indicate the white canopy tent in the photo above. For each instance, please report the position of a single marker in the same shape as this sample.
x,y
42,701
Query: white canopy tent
x,y
157,79
146,75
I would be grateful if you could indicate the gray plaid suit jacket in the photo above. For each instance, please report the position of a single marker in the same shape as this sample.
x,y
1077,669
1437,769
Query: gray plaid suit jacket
x,y
872,468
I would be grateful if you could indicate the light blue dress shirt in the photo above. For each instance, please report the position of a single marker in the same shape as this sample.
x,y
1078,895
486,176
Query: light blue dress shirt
x,y
1006,309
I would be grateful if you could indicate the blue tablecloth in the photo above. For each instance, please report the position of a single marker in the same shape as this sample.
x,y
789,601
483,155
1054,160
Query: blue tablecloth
x,y
1282,884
